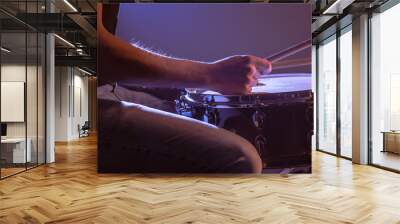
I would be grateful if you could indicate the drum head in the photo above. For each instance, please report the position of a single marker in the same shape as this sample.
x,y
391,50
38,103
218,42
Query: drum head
x,y
272,88
275,83
283,83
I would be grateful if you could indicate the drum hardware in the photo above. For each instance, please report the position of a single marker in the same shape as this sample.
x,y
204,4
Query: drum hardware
x,y
257,100
259,119
210,101
212,115
281,113
181,105
241,99
280,99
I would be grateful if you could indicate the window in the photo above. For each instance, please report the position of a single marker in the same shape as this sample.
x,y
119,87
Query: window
x,y
22,90
346,92
385,89
327,95
15,146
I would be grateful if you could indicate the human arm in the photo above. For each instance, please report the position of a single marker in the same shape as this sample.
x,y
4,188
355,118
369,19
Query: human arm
x,y
129,64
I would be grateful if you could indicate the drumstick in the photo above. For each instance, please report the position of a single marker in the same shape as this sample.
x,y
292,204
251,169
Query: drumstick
x,y
289,51
291,63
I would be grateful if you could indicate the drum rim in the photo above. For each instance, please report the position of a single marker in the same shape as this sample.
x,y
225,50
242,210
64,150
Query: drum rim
x,y
250,100
278,75
249,95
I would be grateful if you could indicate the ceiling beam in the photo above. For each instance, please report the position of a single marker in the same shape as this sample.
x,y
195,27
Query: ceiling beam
x,y
89,30
337,6
81,61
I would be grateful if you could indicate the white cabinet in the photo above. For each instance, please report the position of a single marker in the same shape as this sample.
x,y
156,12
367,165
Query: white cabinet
x,y
16,147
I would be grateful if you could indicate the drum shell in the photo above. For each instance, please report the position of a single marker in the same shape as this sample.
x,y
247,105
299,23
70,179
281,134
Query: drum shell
x,y
284,137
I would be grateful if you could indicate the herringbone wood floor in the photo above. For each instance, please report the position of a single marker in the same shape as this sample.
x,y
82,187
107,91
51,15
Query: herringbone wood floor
x,y
71,191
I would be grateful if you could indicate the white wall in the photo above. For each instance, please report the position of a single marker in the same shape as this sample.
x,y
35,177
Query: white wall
x,y
33,127
9,73
16,72
71,102
61,103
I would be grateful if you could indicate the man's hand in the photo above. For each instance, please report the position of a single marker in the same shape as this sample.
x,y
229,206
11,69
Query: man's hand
x,y
237,74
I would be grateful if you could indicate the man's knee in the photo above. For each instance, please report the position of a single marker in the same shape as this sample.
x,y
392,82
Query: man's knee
x,y
246,160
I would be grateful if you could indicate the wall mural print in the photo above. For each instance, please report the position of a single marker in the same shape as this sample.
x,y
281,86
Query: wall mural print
x,y
204,88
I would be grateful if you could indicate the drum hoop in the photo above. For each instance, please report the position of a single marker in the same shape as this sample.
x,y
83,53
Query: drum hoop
x,y
251,94
251,100
270,76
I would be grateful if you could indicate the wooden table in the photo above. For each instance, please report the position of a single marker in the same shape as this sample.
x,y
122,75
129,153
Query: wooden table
x,y
391,141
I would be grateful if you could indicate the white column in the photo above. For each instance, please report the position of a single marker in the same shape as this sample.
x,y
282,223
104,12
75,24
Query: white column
x,y
50,92
62,103
360,90
50,99
314,85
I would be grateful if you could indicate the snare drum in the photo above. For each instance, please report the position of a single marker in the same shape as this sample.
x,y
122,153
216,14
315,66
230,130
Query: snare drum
x,y
277,117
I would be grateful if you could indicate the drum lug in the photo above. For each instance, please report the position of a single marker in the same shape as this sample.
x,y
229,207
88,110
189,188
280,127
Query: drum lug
x,y
257,100
212,116
178,106
182,106
210,100
258,119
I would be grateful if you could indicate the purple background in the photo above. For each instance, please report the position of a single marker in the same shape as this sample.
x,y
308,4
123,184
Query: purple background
x,y
208,32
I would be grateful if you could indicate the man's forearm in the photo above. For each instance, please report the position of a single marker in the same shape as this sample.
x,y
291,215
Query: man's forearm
x,y
130,64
